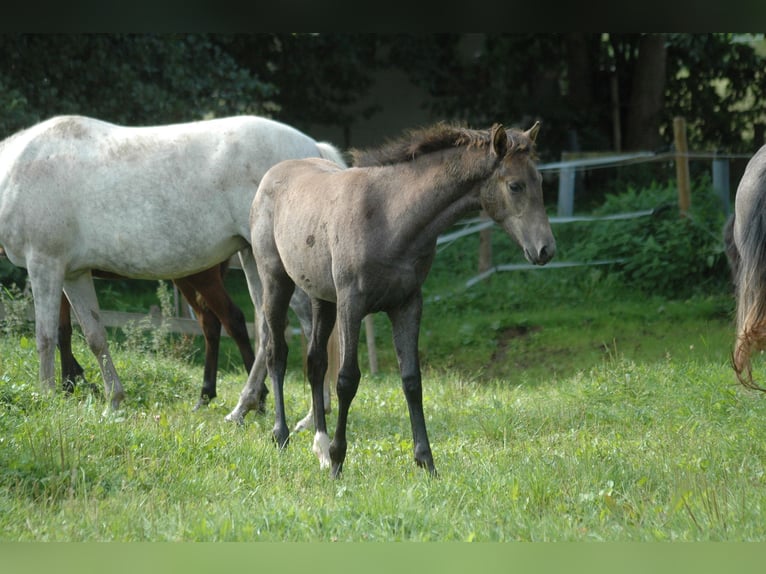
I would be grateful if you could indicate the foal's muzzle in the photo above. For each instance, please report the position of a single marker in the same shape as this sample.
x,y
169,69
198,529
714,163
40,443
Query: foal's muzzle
x,y
541,255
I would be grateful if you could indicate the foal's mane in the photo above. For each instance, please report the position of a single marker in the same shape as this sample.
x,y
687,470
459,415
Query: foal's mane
x,y
440,136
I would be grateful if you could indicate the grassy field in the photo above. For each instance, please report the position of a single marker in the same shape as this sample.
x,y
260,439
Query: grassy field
x,y
560,407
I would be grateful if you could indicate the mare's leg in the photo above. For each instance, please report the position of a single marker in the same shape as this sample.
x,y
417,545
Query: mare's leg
x,y
254,393
211,331
349,324
82,296
46,276
405,322
323,320
216,309
70,368
231,317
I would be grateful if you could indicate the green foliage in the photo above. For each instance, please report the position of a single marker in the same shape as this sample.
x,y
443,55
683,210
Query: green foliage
x,y
664,253
152,333
16,305
321,78
125,78
716,82
10,274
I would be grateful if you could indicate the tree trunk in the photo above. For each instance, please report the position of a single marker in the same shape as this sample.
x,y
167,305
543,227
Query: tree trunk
x,y
647,97
579,70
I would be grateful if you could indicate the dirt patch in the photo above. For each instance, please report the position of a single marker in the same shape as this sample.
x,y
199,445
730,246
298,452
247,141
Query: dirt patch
x,y
508,334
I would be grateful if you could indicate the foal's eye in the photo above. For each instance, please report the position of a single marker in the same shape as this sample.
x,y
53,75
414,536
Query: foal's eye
x,y
515,186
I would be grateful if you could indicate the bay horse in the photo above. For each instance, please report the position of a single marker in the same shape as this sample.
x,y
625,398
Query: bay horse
x,y
362,240
213,308
159,202
749,232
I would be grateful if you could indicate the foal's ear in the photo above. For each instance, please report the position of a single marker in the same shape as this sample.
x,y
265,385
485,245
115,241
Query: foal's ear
x,y
499,140
531,133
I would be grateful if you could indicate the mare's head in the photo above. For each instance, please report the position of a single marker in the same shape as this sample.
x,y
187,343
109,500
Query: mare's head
x,y
513,194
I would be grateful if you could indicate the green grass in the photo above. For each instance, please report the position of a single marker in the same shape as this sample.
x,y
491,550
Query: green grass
x,y
623,452
560,407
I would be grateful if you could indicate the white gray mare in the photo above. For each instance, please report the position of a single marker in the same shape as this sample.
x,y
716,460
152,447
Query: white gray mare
x,y
157,202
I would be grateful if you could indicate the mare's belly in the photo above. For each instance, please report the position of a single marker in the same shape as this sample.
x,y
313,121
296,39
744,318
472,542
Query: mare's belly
x,y
141,260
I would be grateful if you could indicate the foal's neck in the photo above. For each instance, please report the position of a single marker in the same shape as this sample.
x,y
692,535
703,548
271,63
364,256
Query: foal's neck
x,y
440,194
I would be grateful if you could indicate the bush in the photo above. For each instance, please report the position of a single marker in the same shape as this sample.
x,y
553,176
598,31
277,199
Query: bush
x,y
664,253
15,305
10,274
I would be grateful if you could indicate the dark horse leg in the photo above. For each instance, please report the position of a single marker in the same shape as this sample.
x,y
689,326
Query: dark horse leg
x,y
405,322
213,307
323,321
349,325
278,288
70,368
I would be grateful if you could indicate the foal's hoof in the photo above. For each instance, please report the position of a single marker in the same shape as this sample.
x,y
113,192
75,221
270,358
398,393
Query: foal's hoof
x,y
321,449
202,403
429,466
235,417
281,440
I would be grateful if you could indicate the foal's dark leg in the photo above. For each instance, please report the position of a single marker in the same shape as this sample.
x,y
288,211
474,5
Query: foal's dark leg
x,y
277,291
405,322
70,368
349,325
323,321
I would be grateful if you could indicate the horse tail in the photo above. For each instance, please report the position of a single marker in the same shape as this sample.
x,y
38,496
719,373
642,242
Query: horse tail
x,y
329,151
751,291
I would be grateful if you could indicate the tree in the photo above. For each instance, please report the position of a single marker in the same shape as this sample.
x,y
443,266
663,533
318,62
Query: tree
x,y
718,82
595,91
592,88
644,114
321,78
124,78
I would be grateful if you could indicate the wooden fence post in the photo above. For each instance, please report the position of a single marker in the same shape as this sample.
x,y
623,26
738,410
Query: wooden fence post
x,y
682,164
333,351
333,358
372,351
721,182
485,247
566,188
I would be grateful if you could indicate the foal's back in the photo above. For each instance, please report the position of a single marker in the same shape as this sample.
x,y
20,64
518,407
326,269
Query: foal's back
x,y
332,229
